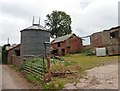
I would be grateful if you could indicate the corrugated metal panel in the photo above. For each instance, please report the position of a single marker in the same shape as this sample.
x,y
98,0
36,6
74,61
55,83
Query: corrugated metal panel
x,y
32,42
36,27
101,51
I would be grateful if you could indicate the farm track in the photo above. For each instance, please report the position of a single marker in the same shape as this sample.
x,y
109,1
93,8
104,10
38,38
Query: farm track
x,y
13,80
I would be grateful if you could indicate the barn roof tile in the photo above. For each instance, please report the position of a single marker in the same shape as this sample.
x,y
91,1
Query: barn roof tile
x,y
62,38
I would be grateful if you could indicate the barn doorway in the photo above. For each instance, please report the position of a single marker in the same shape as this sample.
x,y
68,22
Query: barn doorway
x,y
55,52
63,52
68,49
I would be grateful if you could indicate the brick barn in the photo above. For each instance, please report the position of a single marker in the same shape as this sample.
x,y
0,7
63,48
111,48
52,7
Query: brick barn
x,y
110,39
66,44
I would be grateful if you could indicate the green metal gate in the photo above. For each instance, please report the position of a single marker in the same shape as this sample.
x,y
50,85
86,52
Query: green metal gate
x,y
35,65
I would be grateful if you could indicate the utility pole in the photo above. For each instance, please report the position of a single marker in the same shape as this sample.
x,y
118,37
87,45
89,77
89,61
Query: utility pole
x,y
8,41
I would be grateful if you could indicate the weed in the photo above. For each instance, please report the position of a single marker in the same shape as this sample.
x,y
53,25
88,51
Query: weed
x,y
31,77
55,84
15,67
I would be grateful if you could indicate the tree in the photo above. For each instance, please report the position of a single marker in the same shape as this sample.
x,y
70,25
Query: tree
x,y
4,54
59,23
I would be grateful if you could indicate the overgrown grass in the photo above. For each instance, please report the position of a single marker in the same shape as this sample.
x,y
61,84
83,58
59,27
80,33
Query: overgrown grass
x,y
73,62
88,62
56,65
57,83
14,67
79,63
54,84
32,78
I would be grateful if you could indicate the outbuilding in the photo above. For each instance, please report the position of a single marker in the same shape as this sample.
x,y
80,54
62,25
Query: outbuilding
x,y
67,44
110,39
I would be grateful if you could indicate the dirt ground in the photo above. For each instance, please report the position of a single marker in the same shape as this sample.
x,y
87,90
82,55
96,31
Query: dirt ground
x,y
103,77
13,80
106,77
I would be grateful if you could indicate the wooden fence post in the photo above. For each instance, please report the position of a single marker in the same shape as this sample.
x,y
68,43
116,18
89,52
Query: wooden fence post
x,y
44,68
48,65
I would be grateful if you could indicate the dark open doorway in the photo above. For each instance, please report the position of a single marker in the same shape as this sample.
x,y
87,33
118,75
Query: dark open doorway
x,y
55,52
63,52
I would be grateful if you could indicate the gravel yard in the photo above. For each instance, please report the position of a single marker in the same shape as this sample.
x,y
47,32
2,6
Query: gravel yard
x,y
103,77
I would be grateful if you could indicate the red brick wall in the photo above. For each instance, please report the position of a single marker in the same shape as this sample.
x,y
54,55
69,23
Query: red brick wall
x,y
11,53
75,45
96,40
103,39
62,46
17,60
9,59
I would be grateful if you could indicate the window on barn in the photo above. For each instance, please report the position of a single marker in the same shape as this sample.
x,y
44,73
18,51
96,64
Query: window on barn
x,y
58,44
114,34
17,52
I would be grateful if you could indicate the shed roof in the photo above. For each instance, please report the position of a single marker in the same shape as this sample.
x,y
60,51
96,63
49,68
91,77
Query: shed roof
x,y
12,47
111,30
115,27
62,38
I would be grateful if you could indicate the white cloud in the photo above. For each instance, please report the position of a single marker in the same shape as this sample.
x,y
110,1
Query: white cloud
x,y
88,16
97,16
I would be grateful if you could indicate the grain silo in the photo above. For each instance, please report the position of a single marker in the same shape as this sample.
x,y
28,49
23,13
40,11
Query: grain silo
x,y
33,39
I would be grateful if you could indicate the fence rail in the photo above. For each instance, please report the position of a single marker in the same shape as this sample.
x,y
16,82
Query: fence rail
x,y
37,68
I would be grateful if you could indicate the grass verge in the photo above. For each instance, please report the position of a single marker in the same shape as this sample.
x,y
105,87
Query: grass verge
x,y
76,62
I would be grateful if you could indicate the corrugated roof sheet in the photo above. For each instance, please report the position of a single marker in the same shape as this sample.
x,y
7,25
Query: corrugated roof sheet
x,y
62,38
36,27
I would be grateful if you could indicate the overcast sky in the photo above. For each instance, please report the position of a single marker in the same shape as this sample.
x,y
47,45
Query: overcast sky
x,y
88,16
